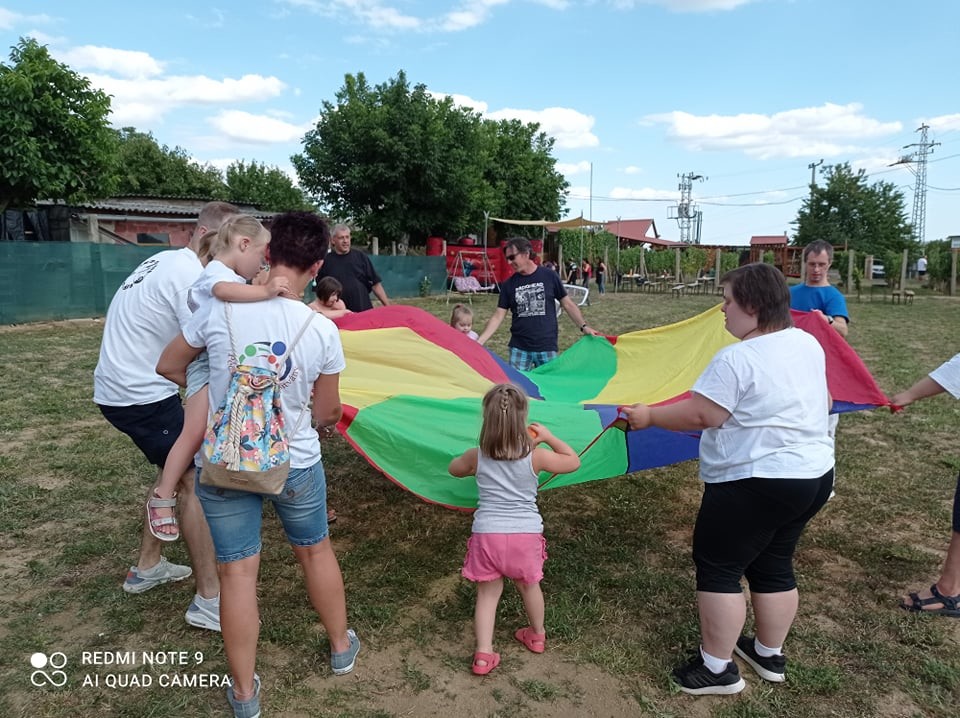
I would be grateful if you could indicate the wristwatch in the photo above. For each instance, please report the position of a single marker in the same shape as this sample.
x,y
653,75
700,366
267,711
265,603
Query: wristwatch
x,y
829,319
584,325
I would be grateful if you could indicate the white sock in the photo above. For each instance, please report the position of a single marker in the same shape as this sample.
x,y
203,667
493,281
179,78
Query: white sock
x,y
765,651
209,603
714,665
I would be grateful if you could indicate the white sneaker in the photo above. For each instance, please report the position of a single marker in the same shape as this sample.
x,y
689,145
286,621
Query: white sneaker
x,y
164,572
200,616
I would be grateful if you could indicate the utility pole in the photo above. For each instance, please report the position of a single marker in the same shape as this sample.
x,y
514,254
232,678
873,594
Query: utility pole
x,y
813,173
919,158
686,212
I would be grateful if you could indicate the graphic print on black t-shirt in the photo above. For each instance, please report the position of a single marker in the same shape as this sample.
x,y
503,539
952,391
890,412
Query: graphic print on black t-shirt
x,y
531,300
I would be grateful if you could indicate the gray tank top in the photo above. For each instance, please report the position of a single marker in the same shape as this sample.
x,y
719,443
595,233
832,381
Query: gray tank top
x,y
508,497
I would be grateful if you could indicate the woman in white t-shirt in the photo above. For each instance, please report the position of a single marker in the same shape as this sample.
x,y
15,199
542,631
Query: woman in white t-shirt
x,y
266,333
766,460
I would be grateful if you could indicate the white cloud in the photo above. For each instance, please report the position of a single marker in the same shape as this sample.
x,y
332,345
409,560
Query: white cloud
x,y
572,168
683,5
136,100
827,131
45,39
257,129
9,19
632,170
462,101
383,16
572,129
125,63
469,14
944,123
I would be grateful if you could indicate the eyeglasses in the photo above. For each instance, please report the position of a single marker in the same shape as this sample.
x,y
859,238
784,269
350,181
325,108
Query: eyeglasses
x,y
511,257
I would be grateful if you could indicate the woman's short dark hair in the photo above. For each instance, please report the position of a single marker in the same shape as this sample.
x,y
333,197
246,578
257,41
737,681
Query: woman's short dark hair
x,y
298,239
761,289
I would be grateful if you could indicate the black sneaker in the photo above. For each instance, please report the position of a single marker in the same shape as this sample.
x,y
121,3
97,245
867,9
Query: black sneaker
x,y
769,669
697,679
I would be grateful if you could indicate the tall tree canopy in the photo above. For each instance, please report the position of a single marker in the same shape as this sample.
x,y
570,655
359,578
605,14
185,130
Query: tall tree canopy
x,y
148,168
55,140
847,211
269,188
402,162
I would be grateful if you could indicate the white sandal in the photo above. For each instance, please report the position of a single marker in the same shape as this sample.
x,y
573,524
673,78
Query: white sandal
x,y
154,523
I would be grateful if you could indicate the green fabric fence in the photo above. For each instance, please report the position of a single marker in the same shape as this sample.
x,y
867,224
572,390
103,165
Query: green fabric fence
x,y
43,281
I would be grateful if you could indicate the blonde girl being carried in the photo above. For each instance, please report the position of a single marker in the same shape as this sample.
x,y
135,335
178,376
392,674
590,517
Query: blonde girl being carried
x,y
507,539
231,256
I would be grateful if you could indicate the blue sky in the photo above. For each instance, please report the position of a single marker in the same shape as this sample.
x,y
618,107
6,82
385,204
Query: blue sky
x,y
746,93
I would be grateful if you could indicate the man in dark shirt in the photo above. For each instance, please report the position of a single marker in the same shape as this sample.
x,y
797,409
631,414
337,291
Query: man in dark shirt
x,y
529,294
354,271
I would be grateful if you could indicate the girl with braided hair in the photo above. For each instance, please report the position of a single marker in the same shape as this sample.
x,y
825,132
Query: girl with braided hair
x,y
507,539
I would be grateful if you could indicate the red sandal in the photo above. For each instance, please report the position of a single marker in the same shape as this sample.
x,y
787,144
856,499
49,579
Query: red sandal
x,y
535,642
492,660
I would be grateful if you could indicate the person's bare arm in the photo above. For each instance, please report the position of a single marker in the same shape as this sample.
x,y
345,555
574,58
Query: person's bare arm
x,y
924,388
236,292
327,408
561,460
465,464
692,414
573,311
380,293
496,319
173,361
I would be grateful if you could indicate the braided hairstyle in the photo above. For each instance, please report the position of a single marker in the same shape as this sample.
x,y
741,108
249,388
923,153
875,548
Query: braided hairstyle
x,y
503,436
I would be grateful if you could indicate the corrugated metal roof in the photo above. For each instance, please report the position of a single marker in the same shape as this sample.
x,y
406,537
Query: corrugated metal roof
x,y
159,206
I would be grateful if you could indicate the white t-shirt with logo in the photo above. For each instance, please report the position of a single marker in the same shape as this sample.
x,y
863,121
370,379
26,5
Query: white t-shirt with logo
x,y
263,331
202,290
145,314
775,388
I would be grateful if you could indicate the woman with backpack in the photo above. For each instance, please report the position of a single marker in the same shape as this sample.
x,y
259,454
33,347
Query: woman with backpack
x,y
295,353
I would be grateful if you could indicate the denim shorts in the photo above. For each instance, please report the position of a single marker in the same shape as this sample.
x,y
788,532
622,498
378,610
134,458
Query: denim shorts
x,y
198,374
235,517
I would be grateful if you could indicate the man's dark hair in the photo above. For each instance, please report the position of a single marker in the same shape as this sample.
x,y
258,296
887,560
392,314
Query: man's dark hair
x,y
298,239
761,289
520,244
817,246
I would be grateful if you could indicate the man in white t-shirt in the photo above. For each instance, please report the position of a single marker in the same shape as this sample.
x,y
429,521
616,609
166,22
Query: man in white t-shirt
x,y
145,314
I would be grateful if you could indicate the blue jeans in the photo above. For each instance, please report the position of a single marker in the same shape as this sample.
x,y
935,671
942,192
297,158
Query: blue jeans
x,y
235,517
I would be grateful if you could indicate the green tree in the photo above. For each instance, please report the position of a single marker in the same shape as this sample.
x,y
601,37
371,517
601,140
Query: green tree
x,y
55,140
269,188
520,180
850,213
402,162
149,168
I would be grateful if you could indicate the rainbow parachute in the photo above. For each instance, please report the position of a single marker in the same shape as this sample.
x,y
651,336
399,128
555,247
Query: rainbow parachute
x,y
413,386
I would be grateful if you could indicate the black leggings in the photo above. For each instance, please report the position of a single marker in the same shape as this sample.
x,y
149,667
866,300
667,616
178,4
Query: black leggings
x,y
751,528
